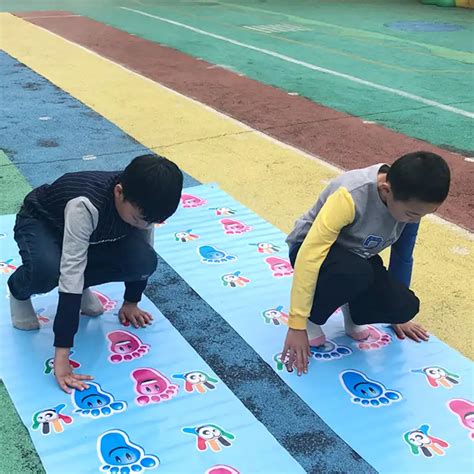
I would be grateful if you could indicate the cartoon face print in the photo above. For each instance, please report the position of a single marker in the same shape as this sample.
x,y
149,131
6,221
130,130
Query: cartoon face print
x,y
119,455
197,381
420,441
51,418
464,410
95,402
266,247
234,280
185,236
275,316
212,255
6,266
223,211
367,392
233,227
279,267
152,386
438,377
330,350
190,201
210,436
125,346
377,340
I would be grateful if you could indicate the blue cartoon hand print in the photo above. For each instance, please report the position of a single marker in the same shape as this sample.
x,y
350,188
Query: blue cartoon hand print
x,y
212,255
367,392
330,350
119,455
95,402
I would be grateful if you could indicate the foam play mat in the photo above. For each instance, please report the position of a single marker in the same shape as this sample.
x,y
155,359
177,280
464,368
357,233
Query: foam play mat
x,y
154,403
403,406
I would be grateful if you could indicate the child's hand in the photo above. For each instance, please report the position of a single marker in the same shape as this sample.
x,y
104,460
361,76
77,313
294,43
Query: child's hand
x,y
64,375
296,351
130,312
412,330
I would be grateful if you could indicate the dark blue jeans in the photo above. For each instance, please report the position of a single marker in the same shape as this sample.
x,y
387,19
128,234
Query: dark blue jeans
x,y
130,260
373,294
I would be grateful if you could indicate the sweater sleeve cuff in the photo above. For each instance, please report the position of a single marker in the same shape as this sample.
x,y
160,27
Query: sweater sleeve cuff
x,y
297,322
134,290
66,321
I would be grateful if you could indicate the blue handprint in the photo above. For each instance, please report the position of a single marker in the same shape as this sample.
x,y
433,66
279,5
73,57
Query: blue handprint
x,y
120,456
330,350
95,402
210,254
367,392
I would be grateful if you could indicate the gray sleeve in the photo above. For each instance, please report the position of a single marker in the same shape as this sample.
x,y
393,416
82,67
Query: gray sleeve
x,y
80,220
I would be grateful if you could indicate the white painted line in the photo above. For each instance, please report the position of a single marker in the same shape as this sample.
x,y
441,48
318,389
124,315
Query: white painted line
x,y
439,220
89,157
44,118
373,85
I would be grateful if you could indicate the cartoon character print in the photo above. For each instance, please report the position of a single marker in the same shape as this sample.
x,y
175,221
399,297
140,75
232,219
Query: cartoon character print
x,y
223,211
266,247
119,455
213,255
190,201
377,339
279,363
197,381
152,386
275,316
367,392
279,267
41,318
420,441
330,350
438,377
185,236
125,346
233,227
51,417
6,266
222,469
464,410
49,364
210,436
105,301
234,280
95,402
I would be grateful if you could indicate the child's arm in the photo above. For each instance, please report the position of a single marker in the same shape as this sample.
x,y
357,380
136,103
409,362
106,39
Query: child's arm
x,y
80,220
337,212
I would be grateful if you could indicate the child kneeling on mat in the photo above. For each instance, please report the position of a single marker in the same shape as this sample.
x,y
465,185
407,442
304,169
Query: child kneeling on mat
x,y
334,250
85,229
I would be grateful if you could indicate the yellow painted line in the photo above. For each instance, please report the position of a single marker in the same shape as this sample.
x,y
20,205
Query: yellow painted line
x,y
275,180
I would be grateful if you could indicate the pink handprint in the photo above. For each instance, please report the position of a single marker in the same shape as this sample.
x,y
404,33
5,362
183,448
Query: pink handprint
x,y
376,340
232,227
188,201
279,266
152,386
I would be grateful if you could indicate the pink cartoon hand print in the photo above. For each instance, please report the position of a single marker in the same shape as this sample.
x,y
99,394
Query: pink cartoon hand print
x,y
376,340
279,267
223,211
464,410
233,227
234,280
185,236
210,436
51,419
438,377
266,247
190,201
6,266
125,346
152,386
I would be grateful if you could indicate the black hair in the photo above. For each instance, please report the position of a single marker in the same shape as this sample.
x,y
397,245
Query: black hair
x,y
153,184
421,175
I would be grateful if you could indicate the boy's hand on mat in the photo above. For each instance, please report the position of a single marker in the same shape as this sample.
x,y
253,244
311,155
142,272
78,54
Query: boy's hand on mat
x,y
412,330
130,312
296,351
63,372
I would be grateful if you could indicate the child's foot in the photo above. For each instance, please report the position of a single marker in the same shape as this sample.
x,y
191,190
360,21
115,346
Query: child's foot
x,y
316,335
90,303
353,330
23,314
